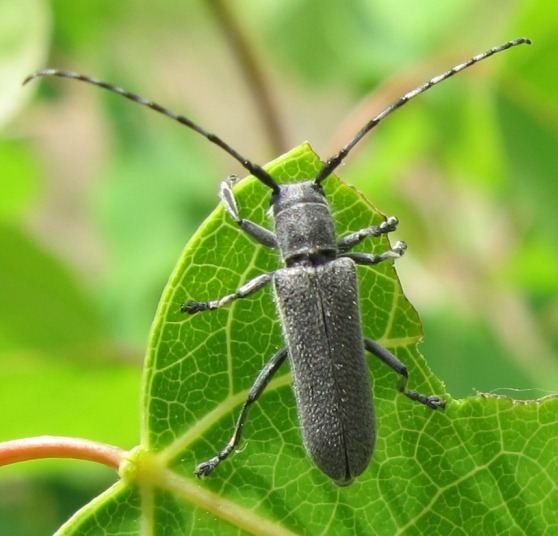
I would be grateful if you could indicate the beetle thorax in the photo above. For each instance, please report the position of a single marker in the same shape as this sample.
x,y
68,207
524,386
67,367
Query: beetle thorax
x,y
303,223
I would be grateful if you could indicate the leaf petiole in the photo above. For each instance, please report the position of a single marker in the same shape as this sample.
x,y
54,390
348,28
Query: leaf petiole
x,y
34,448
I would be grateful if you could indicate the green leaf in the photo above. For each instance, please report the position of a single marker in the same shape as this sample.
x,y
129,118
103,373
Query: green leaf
x,y
19,179
137,214
375,36
44,309
484,465
87,394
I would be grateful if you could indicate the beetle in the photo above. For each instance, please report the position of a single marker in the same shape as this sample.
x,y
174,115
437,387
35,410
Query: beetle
x,y
316,295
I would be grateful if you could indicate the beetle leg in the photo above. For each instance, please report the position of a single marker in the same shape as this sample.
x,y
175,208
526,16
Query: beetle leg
x,y
391,361
348,242
248,288
261,382
257,232
369,258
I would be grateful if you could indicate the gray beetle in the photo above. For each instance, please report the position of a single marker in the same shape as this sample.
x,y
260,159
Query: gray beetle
x,y
316,294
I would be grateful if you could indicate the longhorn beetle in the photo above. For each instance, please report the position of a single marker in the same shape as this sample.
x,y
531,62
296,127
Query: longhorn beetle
x,y
316,294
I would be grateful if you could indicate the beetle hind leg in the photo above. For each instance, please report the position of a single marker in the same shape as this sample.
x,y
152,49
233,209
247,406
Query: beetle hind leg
x,y
258,387
432,401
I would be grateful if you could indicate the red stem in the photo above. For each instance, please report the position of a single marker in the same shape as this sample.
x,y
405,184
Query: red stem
x,y
34,448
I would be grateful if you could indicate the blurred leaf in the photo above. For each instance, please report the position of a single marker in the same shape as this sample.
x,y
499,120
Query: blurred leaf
x,y
24,32
485,465
535,269
43,307
352,41
49,497
19,179
149,201
474,148
537,74
469,356
91,28
320,56
392,151
530,141
64,397
81,25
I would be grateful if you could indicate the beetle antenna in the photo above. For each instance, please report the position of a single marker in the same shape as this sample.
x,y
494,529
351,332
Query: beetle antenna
x,y
334,161
254,169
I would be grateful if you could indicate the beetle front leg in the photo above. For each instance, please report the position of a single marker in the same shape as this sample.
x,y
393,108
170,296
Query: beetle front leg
x,y
248,288
261,382
369,258
350,241
257,232
391,361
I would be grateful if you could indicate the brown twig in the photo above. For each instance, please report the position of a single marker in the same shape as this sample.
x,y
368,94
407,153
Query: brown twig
x,y
253,74
34,448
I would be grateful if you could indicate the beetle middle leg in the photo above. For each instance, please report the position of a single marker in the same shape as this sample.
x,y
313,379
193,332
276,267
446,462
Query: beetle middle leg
x,y
257,232
370,258
261,382
248,288
351,240
432,401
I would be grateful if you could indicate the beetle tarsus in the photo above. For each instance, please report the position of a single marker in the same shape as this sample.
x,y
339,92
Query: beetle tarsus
x,y
206,468
432,401
399,248
389,225
231,180
368,259
350,241
192,307
435,402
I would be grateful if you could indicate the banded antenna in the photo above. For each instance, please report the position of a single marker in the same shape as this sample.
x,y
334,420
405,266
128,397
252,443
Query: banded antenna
x,y
334,161
254,169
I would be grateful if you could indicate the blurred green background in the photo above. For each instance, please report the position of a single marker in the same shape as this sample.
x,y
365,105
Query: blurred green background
x,y
98,196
